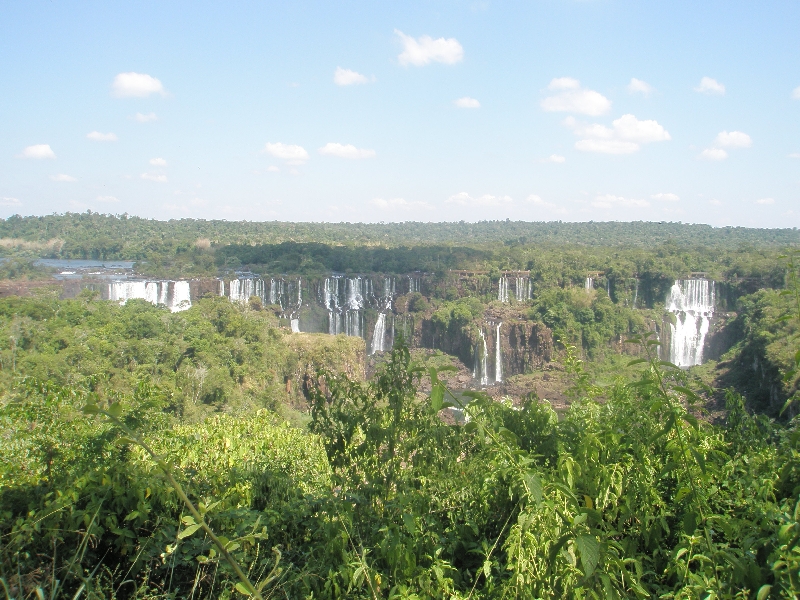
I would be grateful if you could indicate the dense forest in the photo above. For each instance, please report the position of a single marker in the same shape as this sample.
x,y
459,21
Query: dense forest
x,y
211,452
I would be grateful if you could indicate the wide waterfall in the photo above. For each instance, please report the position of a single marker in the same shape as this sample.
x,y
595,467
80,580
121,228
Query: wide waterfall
x,y
295,325
589,285
480,370
498,357
379,335
523,290
172,294
502,289
692,302
414,284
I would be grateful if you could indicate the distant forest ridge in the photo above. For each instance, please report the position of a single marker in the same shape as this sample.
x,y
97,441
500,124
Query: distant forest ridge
x,y
123,236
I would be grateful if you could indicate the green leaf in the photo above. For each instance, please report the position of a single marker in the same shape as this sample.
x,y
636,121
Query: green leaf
x,y
471,426
637,361
409,524
692,420
188,531
437,397
533,483
699,458
240,587
763,592
132,515
487,568
689,522
188,520
91,409
115,410
589,549
434,376
667,426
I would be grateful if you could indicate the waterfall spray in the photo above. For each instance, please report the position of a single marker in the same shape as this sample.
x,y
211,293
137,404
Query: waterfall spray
x,y
498,357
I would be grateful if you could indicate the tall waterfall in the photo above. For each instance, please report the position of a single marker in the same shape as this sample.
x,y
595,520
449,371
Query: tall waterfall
x,y
175,295
692,303
636,294
221,287
295,325
498,357
480,370
589,285
379,335
413,284
502,289
522,290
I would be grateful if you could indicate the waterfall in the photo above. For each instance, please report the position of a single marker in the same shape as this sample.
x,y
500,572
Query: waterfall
x,y
221,287
522,290
155,292
481,367
636,294
379,335
498,357
589,283
692,303
502,289
413,284
295,324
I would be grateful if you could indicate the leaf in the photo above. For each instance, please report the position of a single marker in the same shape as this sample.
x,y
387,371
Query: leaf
x,y
689,522
534,486
692,420
471,426
667,426
637,361
132,515
434,376
91,409
115,410
557,548
240,587
123,440
687,392
188,520
188,531
589,549
588,501
699,458
437,397
409,524
763,592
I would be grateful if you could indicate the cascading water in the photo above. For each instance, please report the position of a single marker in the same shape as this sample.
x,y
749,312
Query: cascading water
x,y
636,294
589,285
379,335
692,302
295,324
502,289
221,287
413,284
498,357
480,370
175,295
522,289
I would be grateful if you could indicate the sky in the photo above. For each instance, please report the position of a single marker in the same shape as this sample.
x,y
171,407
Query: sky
x,y
571,110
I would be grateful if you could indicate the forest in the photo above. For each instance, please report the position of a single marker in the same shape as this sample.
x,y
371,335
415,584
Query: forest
x,y
218,452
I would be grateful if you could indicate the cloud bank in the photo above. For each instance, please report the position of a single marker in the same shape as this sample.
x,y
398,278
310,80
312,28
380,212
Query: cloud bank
x,y
625,136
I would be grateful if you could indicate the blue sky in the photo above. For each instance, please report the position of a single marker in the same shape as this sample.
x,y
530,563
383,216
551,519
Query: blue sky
x,y
375,111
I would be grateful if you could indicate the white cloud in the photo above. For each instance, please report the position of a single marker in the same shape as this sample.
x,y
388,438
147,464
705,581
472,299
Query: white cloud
x,y
624,137
96,136
273,169
10,202
107,199
639,86
666,197
136,85
346,151
794,155
159,178
710,86
467,102
142,118
292,154
38,151
713,154
347,77
538,202
765,201
796,93
158,162
575,99
464,199
424,50
612,201
400,204
63,177
734,139
555,158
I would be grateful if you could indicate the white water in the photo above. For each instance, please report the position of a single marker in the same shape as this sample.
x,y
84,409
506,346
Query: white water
x,y
481,366
498,357
589,285
175,295
221,287
636,294
295,323
379,335
692,302
522,290
502,289
413,284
